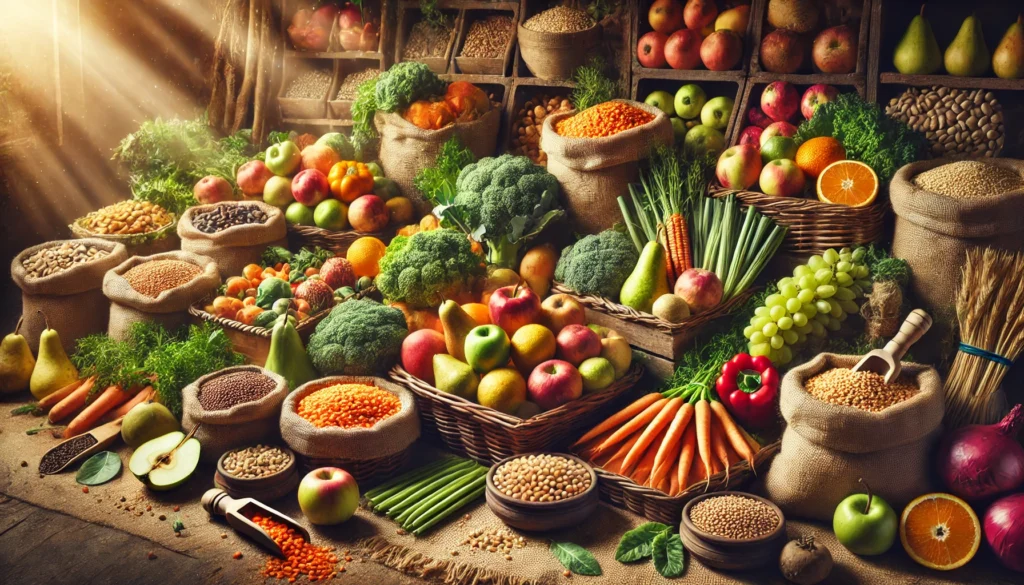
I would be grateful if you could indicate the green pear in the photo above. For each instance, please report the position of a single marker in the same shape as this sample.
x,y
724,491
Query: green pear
x,y
16,362
648,281
53,369
1008,60
918,52
287,356
455,377
967,55
457,324
147,421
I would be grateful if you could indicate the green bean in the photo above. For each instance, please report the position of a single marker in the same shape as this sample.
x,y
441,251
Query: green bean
x,y
443,507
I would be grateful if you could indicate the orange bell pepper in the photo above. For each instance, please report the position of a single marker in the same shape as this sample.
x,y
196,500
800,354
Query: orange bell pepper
x,y
349,180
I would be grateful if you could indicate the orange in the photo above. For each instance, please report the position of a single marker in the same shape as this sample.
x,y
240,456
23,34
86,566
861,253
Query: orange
x,y
479,312
365,254
848,182
940,531
817,153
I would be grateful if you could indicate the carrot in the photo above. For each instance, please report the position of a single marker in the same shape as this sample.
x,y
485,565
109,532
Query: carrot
x,y
686,455
642,474
50,400
141,396
656,426
697,474
614,463
110,398
620,417
633,425
720,448
71,402
731,432
702,416
751,440
673,479
672,438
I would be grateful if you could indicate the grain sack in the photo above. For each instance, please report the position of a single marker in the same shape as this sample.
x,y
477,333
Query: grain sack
x,y
594,172
241,425
168,308
933,231
826,448
234,247
72,300
405,148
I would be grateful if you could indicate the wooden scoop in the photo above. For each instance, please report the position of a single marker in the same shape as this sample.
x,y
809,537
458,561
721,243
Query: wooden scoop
x,y
105,436
886,361
239,514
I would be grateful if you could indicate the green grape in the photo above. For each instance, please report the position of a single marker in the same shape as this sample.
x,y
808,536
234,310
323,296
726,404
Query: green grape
x,y
857,290
816,262
748,331
843,316
785,282
805,329
801,271
845,250
822,305
759,349
821,318
777,313
789,290
799,319
758,337
844,279
818,330
770,329
806,295
835,309
808,282
785,323
826,291
761,312
793,305
863,283
786,357
809,309
776,341
801,338
849,306
861,272
846,258
844,266
833,324
760,322
830,257
823,276
774,299
790,337
845,294
859,254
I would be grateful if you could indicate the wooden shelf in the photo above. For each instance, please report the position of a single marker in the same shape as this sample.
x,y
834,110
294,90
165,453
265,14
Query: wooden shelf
x,y
952,81
733,75
545,82
316,122
369,55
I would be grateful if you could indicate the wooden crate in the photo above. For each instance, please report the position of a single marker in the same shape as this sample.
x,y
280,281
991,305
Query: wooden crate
x,y
754,87
341,109
714,83
499,66
409,13
639,27
301,108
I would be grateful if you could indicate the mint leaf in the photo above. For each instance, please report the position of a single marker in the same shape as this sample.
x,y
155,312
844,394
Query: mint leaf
x,y
576,558
100,468
636,544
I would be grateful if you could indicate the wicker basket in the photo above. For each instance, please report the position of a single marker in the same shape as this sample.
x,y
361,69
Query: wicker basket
x,y
164,239
249,340
488,436
645,331
300,236
363,470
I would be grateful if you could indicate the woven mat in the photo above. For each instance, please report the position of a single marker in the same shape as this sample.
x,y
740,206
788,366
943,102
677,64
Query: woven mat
x,y
376,539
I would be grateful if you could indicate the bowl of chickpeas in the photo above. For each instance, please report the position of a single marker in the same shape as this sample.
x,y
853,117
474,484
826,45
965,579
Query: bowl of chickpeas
x,y
542,491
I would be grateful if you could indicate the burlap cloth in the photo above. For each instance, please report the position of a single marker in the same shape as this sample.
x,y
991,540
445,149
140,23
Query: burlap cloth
x,y
237,246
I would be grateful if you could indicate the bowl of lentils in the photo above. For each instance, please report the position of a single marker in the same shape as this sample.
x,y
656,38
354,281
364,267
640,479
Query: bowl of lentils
x,y
542,491
262,471
733,530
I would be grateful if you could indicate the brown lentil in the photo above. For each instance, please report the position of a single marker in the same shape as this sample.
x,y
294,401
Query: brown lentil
x,y
427,40
153,277
223,392
603,120
529,123
863,390
348,406
488,37
224,216
256,461
542,478
126,217
66,451
310,85
560,19
495,540
56,259
349,86
967,179
735,517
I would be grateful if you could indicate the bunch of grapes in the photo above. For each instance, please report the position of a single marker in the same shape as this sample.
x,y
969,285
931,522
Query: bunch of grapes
x,y
815,300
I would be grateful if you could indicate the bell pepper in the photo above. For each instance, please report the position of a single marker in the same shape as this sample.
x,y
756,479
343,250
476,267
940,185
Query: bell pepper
x,y
749,388
349,180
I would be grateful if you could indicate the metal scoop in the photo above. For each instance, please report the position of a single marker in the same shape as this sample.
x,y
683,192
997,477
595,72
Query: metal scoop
x,y
239,514
886,361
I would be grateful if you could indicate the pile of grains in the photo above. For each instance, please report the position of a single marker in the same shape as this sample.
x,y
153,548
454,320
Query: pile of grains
x,y
224,216
529,122
310,85
57,259
542,478
223,392
863,390
427,40
734,517
560,19
967,179
66,451
349,86
348,406
126,217
955,121
602,120
319,563
154,277
495,540
257,461
488,37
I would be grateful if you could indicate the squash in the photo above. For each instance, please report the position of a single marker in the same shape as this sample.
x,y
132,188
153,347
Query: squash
x,y
468,101
429,115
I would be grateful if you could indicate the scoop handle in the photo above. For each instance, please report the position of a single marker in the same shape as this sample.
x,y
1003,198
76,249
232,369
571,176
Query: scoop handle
x,y
916,324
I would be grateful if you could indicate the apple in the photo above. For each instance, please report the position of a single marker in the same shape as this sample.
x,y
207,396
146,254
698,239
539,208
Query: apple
x,y
310,187
283,158
665,16
784,129
699,14
815,96
758,118
553,383
690,100
165,462
576,343
328,495
368,213
715,114
561,310
701,289
650,50
661,100
252,177
511,307
780,101
782,51
331,214
782,178
299,214
778,147
615,349
704,139
865,524
682,49
531,345
350,17
320,157
751,135
418,351
734,19
835,50
721,50
487,348
278,192
739,166
597,374
211,189
679,129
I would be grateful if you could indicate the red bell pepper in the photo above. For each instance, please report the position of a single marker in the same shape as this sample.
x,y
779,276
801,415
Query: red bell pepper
x,y
749,388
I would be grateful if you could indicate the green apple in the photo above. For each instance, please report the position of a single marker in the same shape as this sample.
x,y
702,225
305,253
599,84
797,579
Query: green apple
x,y
299,214
165,462
331,214
283,158
487,348
278,192
778,147
704,139
716,112
689,101
865,524
598,373
661,100
679,129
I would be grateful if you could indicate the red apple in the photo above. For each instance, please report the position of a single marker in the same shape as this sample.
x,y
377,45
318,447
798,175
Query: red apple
x,y
699,14
751,135
511,307
777,129
418,351
252,177
682,49
701,289
350,17
815,96
320,157
328,495
721,50
665,16
780,101
553,383
758,118
782,178
835,50
211,189
310,187
782,51
368,213
650,51
560,310
739,166
576,343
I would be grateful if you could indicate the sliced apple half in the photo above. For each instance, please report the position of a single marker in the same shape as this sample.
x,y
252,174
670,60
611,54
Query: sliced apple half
x,y
165,462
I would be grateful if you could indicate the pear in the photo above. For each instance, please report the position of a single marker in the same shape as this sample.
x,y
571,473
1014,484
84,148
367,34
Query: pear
x,y
147,421
967,55
457,324
16,362
918,52
648,281
455,377
287,356
1008,60
53,369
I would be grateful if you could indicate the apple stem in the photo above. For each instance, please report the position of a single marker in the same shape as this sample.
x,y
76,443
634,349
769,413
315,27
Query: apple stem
x,y
515,291
18,326
46,322
867,487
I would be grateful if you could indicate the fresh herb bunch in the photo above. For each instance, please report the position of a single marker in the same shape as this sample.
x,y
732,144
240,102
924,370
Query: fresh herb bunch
x,y
432,14
437,183
884,267
592,85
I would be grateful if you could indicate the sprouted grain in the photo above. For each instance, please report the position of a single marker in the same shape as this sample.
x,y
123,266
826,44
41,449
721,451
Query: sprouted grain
x,y
736,517
863,390
542,478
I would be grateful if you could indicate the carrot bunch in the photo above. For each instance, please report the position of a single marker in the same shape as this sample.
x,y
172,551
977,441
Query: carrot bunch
x,y
84,408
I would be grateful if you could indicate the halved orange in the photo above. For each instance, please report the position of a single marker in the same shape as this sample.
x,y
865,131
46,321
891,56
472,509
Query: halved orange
x,y
940,531
848,182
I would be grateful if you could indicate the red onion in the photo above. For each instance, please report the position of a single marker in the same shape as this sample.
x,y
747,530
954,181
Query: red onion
x,y
981,461
1004,530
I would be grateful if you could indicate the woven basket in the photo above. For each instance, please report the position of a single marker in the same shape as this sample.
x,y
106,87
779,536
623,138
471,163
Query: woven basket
x,y
249,340
488,436
645,331
300,236
363,470
164,239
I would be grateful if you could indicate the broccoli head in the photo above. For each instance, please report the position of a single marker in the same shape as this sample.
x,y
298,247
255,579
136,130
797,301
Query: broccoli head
x,y
359,337
598,264
405,83
424,269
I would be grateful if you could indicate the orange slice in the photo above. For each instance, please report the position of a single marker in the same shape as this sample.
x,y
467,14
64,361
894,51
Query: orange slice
x,y
848,182
940,531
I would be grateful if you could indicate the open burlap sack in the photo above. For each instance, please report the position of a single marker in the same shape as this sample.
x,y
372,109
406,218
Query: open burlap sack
x,y
169,308
826,448
72,300
594,172
241,425
405,148
235,247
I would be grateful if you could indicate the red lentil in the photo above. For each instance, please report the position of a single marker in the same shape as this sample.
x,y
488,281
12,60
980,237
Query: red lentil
x,y
154,277
605,119
301,558
348,406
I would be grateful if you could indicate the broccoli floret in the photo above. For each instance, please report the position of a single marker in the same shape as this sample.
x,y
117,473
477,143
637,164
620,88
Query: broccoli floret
x,y
424,269
405,83
598,264
358,337
503,202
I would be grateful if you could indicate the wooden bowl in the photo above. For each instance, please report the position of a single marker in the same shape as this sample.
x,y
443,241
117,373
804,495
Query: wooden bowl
x,y
542,516
732,554
265,488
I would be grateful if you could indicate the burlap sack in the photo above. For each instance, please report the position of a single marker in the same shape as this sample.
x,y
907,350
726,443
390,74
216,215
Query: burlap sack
x,y
827,448
241,425
235,247
594,172
72,300
169,308
405,148
934,231
388,437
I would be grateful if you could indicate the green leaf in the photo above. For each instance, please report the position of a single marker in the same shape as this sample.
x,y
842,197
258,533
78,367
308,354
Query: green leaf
x,y
669,556
576,558
99,469
637,543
